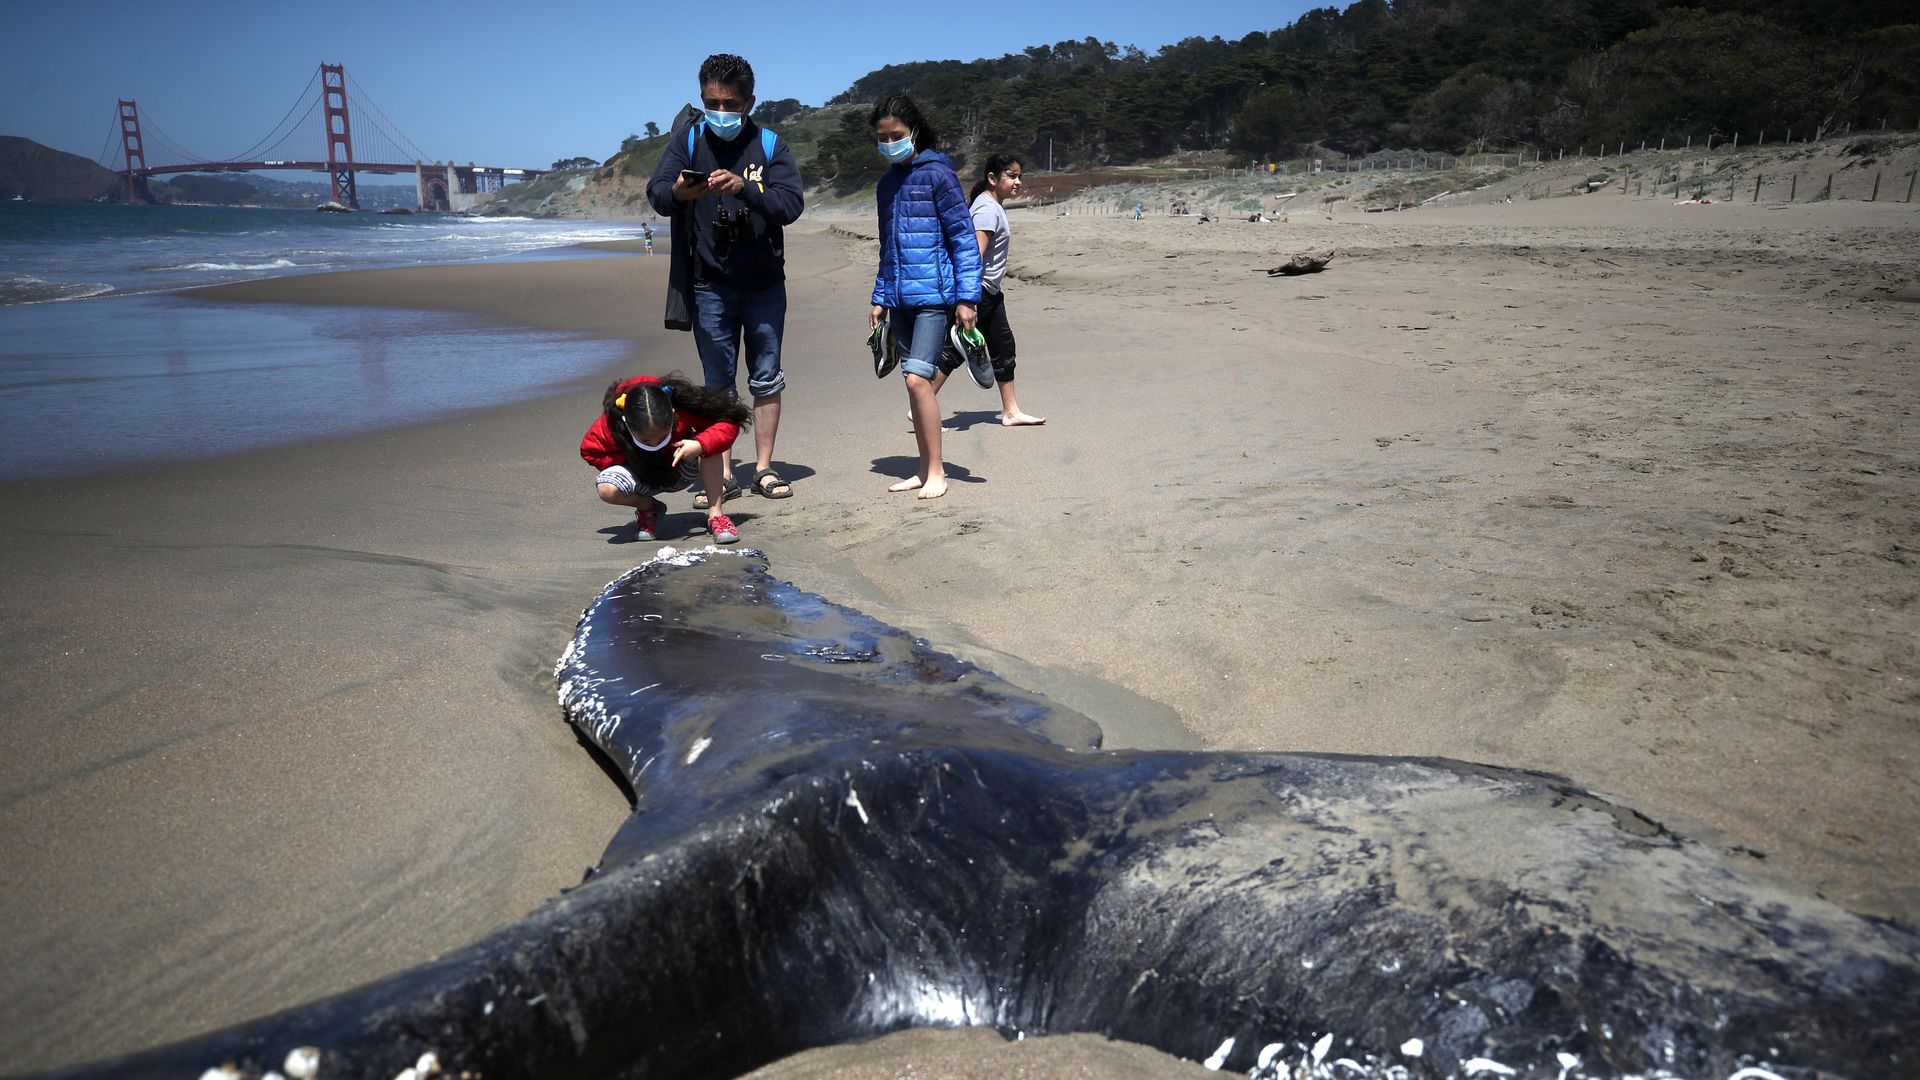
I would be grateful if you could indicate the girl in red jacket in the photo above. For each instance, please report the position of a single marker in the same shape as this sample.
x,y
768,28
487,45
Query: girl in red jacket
x,y
649,435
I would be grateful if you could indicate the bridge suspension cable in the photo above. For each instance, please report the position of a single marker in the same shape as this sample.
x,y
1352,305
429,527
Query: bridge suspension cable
x,y
107,156
277,136
153,132
397,138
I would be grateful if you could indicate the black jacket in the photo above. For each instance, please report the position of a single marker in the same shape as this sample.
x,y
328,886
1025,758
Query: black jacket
x,y
774,198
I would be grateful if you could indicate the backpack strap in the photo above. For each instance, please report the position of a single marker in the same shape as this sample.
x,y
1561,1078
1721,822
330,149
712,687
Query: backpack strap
x,y
769,140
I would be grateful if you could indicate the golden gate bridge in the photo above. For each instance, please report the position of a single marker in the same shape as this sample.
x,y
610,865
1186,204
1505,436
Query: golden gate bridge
x,y
378,146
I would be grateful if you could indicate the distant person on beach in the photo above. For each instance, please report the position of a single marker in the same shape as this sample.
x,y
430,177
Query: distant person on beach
x,y
729,187
646,233
999,181
929,269
652,434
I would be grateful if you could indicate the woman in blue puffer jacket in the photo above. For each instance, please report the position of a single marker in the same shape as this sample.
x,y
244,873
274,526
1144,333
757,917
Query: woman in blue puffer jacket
x,y
929,269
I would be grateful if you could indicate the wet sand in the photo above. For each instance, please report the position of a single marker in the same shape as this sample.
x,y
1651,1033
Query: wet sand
x,y
1617,489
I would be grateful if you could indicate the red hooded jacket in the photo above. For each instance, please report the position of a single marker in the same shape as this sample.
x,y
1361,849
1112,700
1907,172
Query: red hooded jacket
x,y
601,450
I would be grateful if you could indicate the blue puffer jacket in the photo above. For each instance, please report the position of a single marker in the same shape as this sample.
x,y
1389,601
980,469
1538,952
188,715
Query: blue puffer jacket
x,y
928,255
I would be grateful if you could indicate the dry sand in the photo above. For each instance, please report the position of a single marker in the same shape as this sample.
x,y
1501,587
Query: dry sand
x,y
1603,486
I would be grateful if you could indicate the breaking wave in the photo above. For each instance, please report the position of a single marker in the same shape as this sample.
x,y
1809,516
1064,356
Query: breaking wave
x,y
32,290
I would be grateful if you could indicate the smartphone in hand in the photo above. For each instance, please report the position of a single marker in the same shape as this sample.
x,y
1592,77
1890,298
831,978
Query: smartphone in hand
x,y
692,177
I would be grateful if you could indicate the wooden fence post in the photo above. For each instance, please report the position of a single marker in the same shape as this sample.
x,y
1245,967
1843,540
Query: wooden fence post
x,y
1756,187
1915,175
1828,194
1793,192
1875,197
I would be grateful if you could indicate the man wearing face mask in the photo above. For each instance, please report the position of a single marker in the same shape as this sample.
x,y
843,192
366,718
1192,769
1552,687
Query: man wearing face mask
x,y
729,187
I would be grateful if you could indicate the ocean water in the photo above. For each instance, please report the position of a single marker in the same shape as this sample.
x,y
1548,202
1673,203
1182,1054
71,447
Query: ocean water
x,y
53,251
103,365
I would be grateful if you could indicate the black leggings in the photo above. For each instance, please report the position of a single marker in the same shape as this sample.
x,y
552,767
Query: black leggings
x,y
993,323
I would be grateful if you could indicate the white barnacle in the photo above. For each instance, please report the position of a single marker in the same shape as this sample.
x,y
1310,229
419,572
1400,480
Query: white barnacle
x,y
302,1063
699,747
1267,1054
221,1072
1219,1057
428,1065
1477,1066
853,800
1413,1048
1320,1048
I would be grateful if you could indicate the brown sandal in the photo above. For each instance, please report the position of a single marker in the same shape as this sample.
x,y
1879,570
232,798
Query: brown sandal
x,y
768,485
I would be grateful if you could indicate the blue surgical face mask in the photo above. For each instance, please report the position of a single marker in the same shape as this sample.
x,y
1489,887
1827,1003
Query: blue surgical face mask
x,y
724,124
896,152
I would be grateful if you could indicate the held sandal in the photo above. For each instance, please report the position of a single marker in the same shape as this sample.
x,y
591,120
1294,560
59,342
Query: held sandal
x,y
768,485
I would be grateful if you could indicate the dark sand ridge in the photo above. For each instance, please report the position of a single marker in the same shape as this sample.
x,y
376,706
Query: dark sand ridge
x,y
1283,513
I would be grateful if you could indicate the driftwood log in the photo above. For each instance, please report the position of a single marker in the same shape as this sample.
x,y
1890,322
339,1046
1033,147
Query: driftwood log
x,y
1301,264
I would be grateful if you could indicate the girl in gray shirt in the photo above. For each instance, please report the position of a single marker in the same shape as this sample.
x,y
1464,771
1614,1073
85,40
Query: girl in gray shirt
x,y
999,181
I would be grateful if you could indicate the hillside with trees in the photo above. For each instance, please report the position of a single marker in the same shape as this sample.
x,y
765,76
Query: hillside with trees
x,y
1451,75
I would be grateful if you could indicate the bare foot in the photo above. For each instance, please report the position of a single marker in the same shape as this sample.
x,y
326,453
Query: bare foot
x,y
933,488
906,485
1021,419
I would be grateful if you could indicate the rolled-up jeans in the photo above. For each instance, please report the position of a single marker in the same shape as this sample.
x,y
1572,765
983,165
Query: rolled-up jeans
x,y
919,333
723,315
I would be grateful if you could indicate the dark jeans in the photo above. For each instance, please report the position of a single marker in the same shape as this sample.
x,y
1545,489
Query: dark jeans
x,y
723,315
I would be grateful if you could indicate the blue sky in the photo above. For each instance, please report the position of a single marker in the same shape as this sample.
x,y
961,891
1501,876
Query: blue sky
x,y
514,84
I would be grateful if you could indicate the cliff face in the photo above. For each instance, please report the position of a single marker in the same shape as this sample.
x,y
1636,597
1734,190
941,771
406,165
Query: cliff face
x,y
44,174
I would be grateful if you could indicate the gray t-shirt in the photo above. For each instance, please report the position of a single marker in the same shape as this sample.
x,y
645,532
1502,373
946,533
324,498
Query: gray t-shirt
x,y
990,217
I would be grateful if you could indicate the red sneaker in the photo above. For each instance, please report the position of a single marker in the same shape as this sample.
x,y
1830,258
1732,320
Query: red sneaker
x,y
647,520
721,526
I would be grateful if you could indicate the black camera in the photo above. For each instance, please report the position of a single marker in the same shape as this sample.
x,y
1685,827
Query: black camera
x,y
732,226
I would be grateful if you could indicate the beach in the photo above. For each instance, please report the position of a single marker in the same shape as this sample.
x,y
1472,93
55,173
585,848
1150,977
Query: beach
x,y
1608,487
